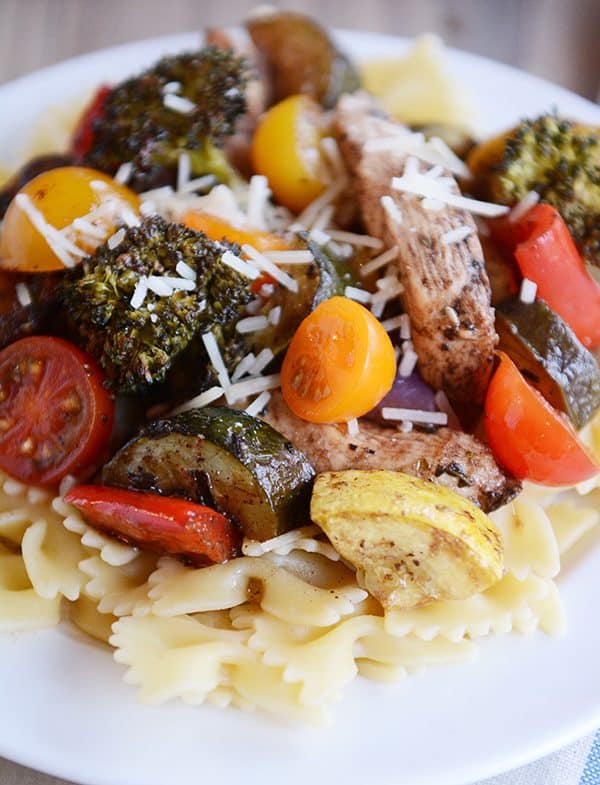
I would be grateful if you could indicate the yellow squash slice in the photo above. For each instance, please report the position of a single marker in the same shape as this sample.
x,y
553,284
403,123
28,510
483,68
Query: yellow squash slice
x,y
411,541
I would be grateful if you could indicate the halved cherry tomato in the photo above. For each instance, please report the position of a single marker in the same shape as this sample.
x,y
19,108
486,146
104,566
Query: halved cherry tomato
x,y
217,229
286,149
55,414
159,523
61,195
528,436
546,254
339,365
83,136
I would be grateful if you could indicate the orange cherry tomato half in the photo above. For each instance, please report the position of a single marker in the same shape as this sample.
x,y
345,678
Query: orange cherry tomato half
x,y
528,436
339,365
159,523
56,416
217,229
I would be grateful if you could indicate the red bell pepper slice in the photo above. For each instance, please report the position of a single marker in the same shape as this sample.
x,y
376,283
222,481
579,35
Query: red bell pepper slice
x,y
159,523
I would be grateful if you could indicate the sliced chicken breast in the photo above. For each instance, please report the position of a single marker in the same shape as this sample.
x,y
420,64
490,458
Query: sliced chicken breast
x,y
446,288
451,458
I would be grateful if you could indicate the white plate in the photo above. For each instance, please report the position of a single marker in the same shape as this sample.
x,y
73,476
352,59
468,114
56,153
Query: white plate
x,y
64,709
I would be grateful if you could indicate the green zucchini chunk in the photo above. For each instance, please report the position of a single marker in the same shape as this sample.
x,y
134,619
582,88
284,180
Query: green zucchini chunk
x,y
551,357
225,458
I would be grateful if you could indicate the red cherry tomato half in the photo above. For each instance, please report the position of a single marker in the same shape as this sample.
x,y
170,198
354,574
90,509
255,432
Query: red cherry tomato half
x,y
55,414
528,436
83,136
159,523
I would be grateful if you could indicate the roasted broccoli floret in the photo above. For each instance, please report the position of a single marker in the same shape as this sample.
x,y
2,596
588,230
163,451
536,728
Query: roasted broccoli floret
x,y
561,161
135,333
188,102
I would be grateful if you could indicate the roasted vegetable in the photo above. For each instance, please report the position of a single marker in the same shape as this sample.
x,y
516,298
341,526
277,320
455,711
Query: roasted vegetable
x,y
554,157
302,57
530,438
224,458
411,541
548,354
156,523
136,346
37,165
140,124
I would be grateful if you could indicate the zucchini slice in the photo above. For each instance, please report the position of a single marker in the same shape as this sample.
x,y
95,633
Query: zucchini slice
x,y
225,458
550,356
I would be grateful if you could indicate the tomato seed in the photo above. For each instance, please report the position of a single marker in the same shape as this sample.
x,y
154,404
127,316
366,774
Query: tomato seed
x,y
6,423
28,446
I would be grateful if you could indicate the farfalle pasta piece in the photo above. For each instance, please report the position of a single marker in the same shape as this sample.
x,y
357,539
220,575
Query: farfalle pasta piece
x,y
494,610
323,662
120,590
177,657
571,522
51,555
529,541
111,551
84,614
177,589
20,506
261,686
21,608
411,653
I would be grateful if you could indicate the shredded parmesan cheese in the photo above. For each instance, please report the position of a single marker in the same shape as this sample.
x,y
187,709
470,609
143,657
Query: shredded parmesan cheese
x,y
240,266
264,264
420,185
23,294
259,403
124,173
353,427
391,208
408,363
379,261
524,206
355,239
204,399
178,103
252,386
528,291
414,415
252,324
456,235
360,295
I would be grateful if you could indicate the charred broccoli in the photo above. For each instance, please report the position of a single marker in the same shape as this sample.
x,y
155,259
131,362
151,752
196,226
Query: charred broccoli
x,y
137,342
558,159
188,102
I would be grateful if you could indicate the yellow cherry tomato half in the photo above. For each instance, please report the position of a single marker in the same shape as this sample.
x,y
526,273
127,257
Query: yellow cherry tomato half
x,y
286,150
56,198
339,365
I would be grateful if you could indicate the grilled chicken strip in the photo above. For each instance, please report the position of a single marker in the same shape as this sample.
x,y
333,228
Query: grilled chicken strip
x,y
446,288
451,458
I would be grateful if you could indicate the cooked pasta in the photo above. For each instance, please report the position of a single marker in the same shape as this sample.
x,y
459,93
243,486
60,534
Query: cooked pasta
x,y
284,629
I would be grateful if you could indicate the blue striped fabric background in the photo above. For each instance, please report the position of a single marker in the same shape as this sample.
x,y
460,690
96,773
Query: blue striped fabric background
x,y
591,773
